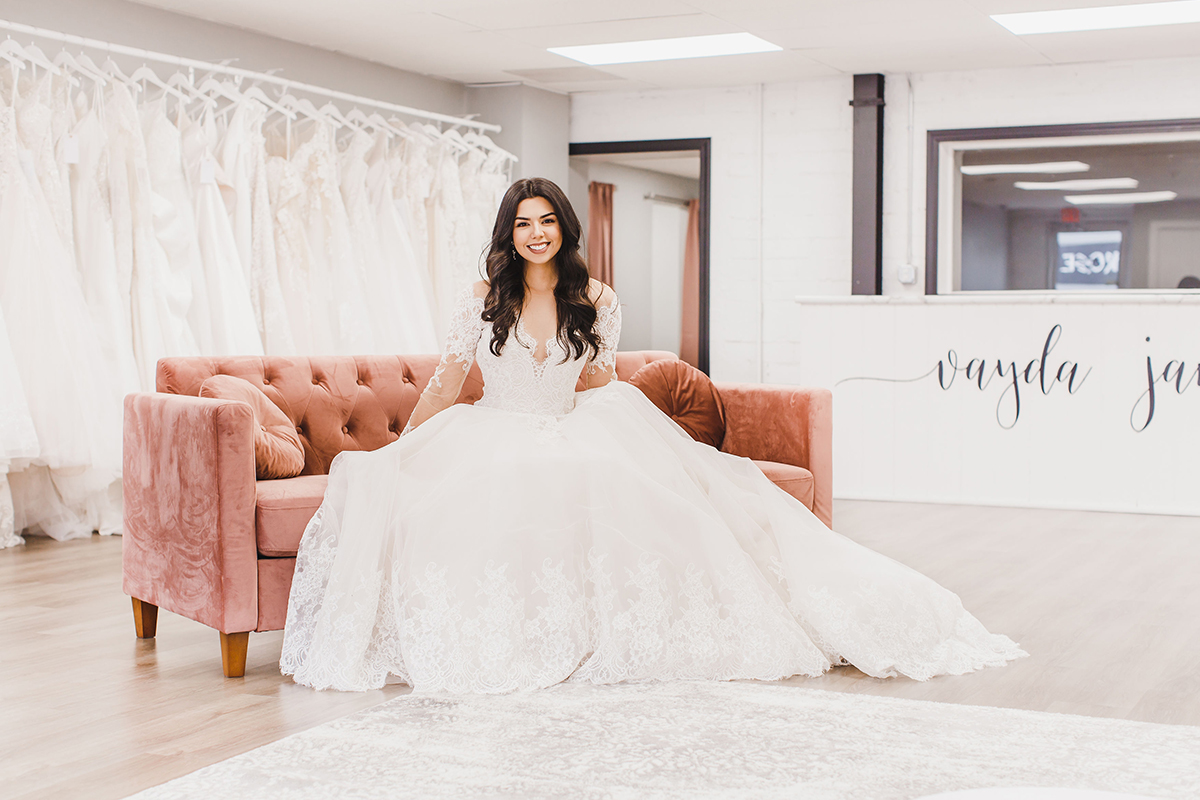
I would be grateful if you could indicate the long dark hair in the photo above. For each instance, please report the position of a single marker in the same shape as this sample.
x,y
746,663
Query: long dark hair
x,y
506,273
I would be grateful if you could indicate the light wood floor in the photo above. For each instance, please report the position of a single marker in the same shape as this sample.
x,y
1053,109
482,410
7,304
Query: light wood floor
x,y
1108,605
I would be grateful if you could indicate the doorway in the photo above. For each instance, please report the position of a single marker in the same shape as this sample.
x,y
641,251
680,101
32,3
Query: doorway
x,y
657,205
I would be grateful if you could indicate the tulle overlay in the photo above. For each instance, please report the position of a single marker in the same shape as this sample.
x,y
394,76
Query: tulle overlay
x,y
490,551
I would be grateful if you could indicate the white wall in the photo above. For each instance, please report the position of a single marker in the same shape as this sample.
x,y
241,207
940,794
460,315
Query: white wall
x,y
781,177
903,435
781,159
1050,95
536,128
126,23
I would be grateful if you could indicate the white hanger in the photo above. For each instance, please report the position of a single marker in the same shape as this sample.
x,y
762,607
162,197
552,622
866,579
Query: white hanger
x,y
415,132
380,123
144,73
33,55
306,108
334,113
485,141
91,67
255,93
18,63
184,84
67,61
112,70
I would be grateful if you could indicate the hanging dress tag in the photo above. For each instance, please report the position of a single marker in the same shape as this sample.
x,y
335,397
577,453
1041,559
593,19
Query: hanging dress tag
x,y
71,150
208,170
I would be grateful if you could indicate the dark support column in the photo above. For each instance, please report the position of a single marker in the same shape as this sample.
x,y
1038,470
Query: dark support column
x,y
866,244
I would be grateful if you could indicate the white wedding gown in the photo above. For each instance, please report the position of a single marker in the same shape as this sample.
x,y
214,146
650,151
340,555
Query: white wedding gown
x,y
542,535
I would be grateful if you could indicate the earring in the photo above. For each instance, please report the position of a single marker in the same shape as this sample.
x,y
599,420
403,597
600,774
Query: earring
x,y
514,252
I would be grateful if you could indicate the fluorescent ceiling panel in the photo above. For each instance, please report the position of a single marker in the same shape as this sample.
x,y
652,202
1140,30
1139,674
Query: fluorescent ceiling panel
x,y
1119,199
1044,168
1083,185
1103,18
723,44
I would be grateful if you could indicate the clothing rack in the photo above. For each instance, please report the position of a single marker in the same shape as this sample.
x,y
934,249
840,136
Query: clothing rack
x,y
662,198
191,63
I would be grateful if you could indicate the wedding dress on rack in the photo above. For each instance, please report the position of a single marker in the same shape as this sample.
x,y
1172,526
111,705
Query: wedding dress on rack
x,y
18,439
234,329
96,251
417,331
388,306
128,234
542,535
331,245
159,295
66,382
244,161
310,326
174,217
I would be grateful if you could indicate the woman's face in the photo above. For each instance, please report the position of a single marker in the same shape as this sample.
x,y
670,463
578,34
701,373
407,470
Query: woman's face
x,y
536,234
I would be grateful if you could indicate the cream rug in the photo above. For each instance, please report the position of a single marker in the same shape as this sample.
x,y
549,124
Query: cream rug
x,y
699,740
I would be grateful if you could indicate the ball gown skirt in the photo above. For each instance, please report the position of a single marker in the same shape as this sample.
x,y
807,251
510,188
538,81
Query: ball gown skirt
x,y
491,551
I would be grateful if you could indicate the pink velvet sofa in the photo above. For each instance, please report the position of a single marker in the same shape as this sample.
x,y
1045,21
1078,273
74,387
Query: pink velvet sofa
x,y
205,539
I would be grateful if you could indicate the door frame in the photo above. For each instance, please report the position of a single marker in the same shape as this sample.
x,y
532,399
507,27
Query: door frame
x,y
704,148
1156,227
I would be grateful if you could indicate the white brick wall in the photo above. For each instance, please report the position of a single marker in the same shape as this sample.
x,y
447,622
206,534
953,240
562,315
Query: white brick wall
x,y
786,149
802,184
1049,95
780,194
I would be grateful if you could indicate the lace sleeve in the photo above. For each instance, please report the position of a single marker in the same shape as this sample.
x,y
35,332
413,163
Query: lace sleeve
x,y
602,369
466,326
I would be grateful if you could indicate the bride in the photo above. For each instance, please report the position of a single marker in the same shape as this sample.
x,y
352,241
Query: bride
x,y
543,535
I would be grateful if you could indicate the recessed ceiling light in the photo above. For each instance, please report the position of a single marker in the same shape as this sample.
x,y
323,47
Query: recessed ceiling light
x,y
1045,168
1119,199
1082,185
725,44
1103,18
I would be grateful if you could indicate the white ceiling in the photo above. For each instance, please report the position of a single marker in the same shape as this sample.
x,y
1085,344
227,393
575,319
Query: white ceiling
x,y
484,41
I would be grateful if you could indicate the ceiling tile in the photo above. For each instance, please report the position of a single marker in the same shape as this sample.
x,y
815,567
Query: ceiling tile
x,y
501,38
632,30
516,14
725,71
1166,41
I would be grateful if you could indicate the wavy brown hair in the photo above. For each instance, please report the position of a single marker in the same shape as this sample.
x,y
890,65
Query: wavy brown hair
x,y
506,273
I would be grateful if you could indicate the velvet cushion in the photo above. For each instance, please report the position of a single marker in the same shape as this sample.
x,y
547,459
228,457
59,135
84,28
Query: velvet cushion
x,y
686,395
282,512
796,481
277,449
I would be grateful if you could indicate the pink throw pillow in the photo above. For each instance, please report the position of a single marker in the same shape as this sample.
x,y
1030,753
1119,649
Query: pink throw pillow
x,y
277,449
686,395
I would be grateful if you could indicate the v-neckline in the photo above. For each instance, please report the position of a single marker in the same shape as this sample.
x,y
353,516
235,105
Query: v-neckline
x,y
523,331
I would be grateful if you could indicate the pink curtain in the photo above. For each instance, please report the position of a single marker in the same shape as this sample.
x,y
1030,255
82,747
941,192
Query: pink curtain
x,y
689,342
599,237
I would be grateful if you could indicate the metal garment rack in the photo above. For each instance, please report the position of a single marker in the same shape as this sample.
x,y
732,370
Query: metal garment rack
x,y
662,198
191,63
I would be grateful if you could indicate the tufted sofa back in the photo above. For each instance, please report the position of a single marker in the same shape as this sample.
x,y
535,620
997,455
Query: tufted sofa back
x,y
341,402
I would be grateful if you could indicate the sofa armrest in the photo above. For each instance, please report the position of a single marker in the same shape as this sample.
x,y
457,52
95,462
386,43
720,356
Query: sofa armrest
x,y
189,490
789,424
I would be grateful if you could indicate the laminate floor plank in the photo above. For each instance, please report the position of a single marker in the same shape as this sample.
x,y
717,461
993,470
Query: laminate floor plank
x,y
1106,605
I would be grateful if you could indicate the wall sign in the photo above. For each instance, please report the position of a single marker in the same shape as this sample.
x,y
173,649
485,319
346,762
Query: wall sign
x,y
1089,404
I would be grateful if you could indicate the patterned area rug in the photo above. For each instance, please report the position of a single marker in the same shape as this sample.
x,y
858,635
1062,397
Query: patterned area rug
x,y
699,740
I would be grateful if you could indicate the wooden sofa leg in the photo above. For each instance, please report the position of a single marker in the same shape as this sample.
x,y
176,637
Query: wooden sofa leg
x,y
145,618
233,653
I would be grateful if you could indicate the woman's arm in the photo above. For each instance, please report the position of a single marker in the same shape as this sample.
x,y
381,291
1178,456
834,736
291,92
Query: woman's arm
x,y
603,367
466,326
